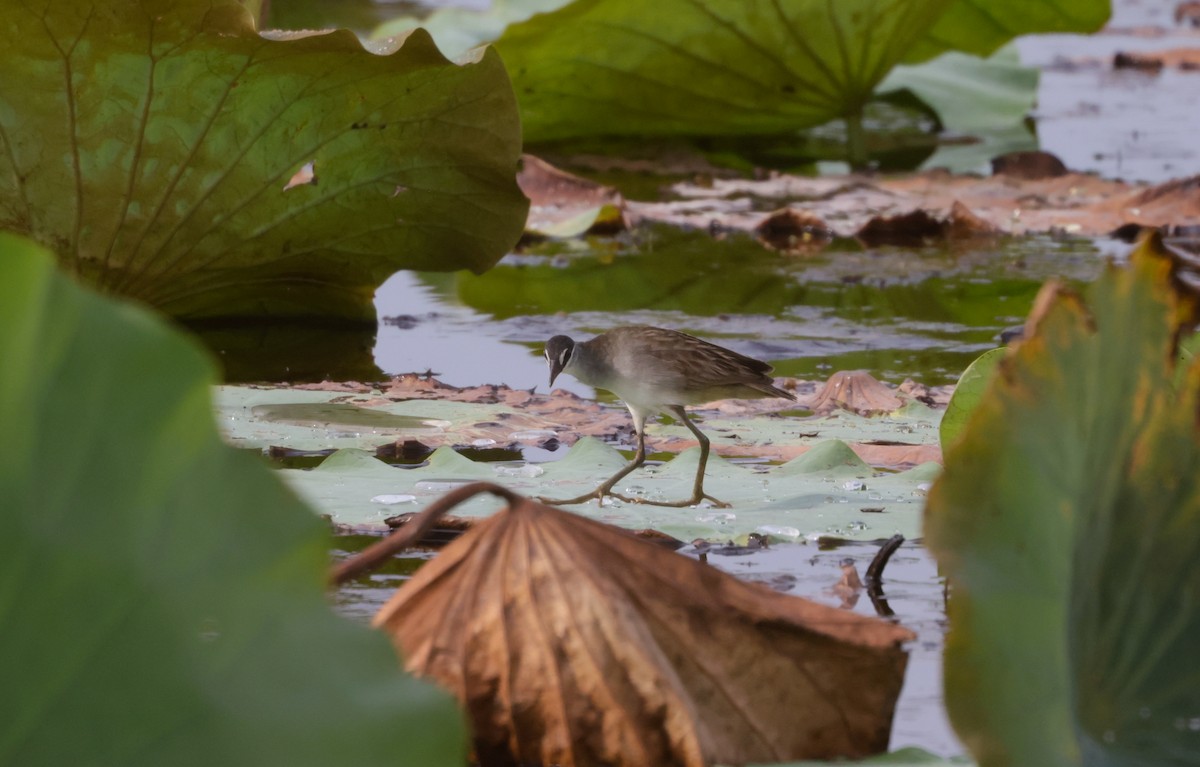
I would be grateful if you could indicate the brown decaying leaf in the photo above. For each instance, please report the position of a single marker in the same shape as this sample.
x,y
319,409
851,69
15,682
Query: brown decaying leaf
x,y
1186,59
1029,165
857,391
571,642
793,231
556,196
1075,203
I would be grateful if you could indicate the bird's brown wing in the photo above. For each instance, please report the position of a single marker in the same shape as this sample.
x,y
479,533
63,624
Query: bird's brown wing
x,y
678,361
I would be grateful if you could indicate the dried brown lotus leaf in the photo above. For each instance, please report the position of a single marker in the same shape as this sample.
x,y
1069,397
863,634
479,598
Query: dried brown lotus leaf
x,y
572,642
857,391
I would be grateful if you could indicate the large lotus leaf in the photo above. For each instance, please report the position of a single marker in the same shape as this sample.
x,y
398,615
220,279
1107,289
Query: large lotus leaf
x,y
167,152
1068,523
618,67
161,594
981,26
678,67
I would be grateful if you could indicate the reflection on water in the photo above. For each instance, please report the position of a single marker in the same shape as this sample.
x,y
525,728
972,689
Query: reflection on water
x,y
899,313
912,588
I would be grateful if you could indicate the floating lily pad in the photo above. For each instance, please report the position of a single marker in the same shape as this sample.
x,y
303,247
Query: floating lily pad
x,y
905,757
618,67
799,500
311,420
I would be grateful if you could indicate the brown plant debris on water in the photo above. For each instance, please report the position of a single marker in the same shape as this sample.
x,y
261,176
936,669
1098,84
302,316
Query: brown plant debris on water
x,y
1027,195
558,200
571,642
565,417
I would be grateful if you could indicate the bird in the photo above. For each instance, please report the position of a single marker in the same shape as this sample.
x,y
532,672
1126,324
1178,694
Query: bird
x,y
656,370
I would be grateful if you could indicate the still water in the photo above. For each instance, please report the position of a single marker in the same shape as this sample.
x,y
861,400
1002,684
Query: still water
x,y
899,313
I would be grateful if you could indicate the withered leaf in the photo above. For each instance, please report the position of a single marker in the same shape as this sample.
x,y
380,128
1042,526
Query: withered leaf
x,y
910,230
563,204
857,391
793,231
572,642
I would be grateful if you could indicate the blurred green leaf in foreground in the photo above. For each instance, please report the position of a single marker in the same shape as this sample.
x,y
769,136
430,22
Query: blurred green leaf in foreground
x,y
161,594
1068,524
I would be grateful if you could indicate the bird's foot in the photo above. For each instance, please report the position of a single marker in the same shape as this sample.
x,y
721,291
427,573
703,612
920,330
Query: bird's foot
x,y
695,500
569,501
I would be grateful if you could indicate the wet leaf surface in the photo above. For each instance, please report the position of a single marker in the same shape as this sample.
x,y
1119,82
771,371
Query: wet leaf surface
x,y
813,497
807,496
572,642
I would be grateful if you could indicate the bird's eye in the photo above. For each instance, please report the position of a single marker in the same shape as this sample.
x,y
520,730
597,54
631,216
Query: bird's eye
x,y
562,358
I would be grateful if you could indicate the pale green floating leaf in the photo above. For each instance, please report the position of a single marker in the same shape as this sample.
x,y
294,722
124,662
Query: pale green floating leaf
x,y
905,757
341,414
577,224
358,490
970,93
831,458
249,417
986,98
163,593
207,171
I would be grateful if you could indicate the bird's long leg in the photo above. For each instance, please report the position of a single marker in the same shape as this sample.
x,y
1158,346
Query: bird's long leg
x,y
639,458
698,493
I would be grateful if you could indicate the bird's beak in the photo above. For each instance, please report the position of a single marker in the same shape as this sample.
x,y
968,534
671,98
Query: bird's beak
x,y
555,369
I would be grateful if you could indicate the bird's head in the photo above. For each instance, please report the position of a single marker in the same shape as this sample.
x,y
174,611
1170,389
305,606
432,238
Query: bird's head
x,y
558,354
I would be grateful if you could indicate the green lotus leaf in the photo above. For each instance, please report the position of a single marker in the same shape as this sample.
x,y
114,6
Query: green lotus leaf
x,y
730,67
980,27
1068,523
969,392
162,594
986,98
726,67
167,152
